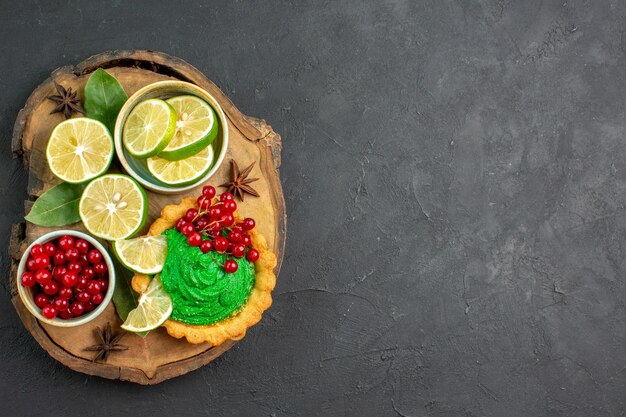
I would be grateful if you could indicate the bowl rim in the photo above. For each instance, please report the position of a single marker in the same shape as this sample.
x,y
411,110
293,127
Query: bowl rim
x,y
28,299
133,100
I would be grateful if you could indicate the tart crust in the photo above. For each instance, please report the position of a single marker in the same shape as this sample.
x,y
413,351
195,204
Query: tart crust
x,y
234,327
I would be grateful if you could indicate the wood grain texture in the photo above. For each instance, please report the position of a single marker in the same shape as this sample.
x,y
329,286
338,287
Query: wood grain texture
x,y
156,357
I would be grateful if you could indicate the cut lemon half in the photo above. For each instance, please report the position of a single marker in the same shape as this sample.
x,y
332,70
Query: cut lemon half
x,y
150,126
145,255
185,171
154,307
196,128
113,207
79,149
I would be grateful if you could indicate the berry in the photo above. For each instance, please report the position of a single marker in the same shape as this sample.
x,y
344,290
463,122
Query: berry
x,y
216,229
238,250
61,304
93,287
59,258
180,223
66,242
194,239
50,287
42,261
220,244
202,222
97,299
77,308
72,254
49,249
66,314
100,268
234,236
58,272
88,272
104,284
230,266
65,292
49,311
229,206
28,279
227,197
94,256
82,283
188,229
252,255
36,250
83,296
203,202
74,267
70,279
30,264
41,300
245,239
43,276
208,191
248,223
82,259
82,245
215,213
227,219
191,214
89,307
206,246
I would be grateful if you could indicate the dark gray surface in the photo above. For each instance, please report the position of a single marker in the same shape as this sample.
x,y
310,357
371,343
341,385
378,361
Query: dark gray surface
x,y
454,175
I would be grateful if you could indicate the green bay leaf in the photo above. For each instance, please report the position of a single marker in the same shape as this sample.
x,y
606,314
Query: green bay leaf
x,y
104,97
58,206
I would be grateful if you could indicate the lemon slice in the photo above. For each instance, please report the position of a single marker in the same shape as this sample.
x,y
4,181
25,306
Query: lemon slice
x,y
185,171
113,207
196,128
145,255
149,128
155,306
79,149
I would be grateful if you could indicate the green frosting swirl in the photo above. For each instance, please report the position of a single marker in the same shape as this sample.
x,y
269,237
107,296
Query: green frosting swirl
x,y
202,293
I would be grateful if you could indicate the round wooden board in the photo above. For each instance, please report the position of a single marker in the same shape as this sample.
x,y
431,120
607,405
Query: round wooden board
x,y
158,356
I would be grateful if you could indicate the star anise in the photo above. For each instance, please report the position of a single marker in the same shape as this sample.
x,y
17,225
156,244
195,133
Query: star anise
x,y
239,184
67,101
108,343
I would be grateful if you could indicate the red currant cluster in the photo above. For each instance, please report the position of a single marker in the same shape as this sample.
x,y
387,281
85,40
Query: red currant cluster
x,y
214,219
68,277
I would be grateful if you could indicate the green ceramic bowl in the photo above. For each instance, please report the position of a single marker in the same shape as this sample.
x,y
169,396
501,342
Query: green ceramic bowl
x,y
137,168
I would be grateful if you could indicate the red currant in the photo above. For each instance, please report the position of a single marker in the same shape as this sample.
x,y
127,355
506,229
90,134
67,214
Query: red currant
x,y
220,244
227,219
58,272
74,267
82,259
100,268
89,307
36,250
50,287
104,284
94,256
82,245
28,279
66,314
49,311
206,246
42,261
202,222
77,308
227,197
230,266
93,287
238,250
49,249
194,239
252,255
83,296
43,276
180,223
66,242
82,283
245,239
248,223
203,202
72,254
59,258
229,206
208,191
97,299
191,214
88,272
234,236
65,292
70,279
214,213
188,229
216,229
30,264
41,300
61,303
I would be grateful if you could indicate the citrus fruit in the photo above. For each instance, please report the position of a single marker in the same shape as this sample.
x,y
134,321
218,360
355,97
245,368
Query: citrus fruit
x,y
145,255
185,171
79,149
154,307
113,207
196,128
149,128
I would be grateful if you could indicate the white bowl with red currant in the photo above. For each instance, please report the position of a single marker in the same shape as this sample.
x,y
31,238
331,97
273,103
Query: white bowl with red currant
x,y
66,278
